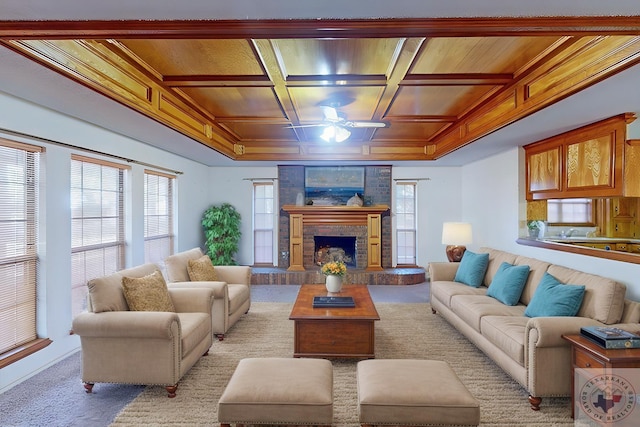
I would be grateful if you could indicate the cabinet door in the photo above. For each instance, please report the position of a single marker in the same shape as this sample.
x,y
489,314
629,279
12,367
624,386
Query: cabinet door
x,y
543,172
590,163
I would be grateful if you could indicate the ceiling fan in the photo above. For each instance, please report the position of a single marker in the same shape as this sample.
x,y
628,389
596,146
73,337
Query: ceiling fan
x,y
336,125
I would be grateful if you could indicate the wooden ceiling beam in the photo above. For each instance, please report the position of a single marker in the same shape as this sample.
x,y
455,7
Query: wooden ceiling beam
x,y
279,28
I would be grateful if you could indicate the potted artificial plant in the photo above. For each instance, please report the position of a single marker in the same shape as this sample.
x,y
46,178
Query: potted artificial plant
x,y
222,233
534,228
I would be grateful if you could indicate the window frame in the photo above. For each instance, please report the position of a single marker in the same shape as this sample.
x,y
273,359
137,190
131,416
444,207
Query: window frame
x,y
168,239
413,230
78,284
21,341
272,228
593,209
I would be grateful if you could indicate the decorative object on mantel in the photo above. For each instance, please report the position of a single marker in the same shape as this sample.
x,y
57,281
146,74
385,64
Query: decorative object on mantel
x,y
456,235
334,270
356,200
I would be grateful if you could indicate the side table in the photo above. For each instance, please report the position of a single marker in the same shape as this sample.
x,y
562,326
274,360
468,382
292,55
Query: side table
x,y
587,354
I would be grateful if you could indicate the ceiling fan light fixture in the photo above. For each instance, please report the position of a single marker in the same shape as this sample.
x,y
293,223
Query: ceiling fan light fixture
x,y
335,133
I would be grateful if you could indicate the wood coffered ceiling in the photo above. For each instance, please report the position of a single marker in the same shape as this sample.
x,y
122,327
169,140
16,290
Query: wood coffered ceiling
x,y
239,86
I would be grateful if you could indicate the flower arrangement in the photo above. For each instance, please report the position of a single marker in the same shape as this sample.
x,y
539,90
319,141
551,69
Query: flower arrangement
x,y
334,268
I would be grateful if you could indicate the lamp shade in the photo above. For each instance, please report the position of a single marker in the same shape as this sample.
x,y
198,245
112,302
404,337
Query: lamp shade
x,y
456,233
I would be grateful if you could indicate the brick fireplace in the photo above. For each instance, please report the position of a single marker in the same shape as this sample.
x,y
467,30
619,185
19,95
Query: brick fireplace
x,y
363,223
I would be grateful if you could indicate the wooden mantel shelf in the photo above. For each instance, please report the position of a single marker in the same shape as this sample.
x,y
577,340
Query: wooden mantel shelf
x,y
299,216
338,215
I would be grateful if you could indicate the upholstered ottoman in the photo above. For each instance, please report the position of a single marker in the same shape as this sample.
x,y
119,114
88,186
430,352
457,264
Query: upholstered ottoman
x,y
278,391
413,392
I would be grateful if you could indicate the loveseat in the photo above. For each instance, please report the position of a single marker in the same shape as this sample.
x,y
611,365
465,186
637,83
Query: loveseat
x,y
123,344
231,285
528,348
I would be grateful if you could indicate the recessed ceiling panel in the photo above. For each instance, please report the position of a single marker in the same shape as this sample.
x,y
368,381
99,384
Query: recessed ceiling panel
x,y
436,100
479,54
408,131
357,102
197,57
252,131
237,101
308,57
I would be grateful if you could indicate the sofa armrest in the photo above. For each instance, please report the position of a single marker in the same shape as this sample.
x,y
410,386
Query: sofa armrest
x,y
220,290
192,300
118,324
445,271
548,331
236,274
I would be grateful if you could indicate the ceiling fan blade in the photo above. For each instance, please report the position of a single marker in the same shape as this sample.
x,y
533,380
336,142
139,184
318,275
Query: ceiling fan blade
x,y
367,124
305,126
330,114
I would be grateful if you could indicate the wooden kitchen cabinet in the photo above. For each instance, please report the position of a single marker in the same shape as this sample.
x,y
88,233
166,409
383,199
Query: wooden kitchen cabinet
x,y
621,214
592,161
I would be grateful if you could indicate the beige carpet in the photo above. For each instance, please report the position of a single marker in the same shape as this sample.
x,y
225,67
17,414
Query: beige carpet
x,y
404,331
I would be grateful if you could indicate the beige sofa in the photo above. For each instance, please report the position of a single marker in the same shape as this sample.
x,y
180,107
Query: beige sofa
x,y
232,289
141,347
530,350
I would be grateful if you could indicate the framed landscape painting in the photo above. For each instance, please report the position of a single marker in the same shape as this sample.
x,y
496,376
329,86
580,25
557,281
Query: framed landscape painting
x,y
333,185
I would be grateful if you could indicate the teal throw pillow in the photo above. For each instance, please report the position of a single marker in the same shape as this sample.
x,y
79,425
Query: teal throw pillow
x,y
472,269
508,283
552,298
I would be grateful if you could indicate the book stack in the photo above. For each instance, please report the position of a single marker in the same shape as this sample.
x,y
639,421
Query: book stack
x,y
335,302
609,337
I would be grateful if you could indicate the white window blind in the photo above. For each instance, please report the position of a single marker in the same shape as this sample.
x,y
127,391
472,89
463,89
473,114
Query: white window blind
x,y
97,223
263,223
570,211
406,222
19,174
158,216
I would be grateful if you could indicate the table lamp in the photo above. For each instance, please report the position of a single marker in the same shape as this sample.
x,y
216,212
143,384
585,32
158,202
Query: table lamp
x,y
455,235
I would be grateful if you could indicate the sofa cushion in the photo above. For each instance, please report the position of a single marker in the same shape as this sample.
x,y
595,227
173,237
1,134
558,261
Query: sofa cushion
x,y
508,283
496,258
194,328
201,270
603,298
472,308
106,294
537,269
443,291
472,269
176,265
506,333
553,298
148,293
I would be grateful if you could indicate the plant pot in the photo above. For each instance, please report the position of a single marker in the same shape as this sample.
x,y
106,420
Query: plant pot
x,y
533,233
333,283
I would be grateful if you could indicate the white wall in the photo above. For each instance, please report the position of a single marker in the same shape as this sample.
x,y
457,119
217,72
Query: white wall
x,y
439,200
54,250
493,200
233,185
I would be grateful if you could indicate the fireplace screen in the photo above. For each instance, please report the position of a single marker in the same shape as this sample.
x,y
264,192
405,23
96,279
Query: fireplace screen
x,y
335,248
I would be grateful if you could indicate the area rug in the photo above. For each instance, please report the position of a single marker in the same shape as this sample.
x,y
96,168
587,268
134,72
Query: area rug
x,y
404,331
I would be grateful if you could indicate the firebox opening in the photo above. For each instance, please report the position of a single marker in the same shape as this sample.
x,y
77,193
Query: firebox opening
x,y
335,248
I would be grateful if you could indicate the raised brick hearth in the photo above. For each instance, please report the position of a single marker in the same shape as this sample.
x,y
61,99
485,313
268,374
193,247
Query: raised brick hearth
x,y
391,276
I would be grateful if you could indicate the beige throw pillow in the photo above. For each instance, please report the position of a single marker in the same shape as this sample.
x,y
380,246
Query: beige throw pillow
x,y
201,270
148,293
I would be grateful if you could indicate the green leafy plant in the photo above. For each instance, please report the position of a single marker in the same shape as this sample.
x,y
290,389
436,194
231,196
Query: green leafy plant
x,y
222,233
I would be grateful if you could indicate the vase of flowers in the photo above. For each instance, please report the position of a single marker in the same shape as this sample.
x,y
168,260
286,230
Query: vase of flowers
x,y
335,271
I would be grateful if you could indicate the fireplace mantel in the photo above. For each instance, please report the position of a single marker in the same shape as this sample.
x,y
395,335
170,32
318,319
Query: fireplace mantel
x,y
299,216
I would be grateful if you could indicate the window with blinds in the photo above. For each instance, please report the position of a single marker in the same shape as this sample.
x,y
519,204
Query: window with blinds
x,y
263,223
158,216
19,174
406,222
97,223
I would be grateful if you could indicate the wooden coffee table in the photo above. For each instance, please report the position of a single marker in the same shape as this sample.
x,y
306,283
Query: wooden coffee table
x,y
334,332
